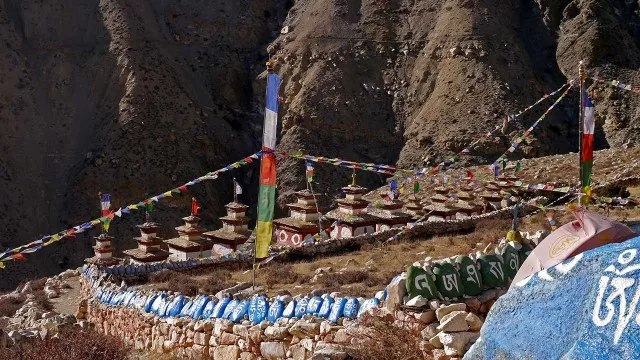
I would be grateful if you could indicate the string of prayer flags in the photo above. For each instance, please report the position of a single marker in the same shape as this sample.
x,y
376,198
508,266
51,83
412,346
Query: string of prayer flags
x,y
309,170
108,215
499,127
618,84
519,139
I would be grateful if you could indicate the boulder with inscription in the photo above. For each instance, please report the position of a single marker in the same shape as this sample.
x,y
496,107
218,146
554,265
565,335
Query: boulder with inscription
x,y
448,281
583,308
470,276
421,282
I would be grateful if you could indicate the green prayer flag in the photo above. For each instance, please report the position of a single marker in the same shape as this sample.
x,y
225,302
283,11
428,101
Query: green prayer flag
x,y
416,187
504,164
517,167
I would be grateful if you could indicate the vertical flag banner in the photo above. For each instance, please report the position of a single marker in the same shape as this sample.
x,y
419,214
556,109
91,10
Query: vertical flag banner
x,y
416,186
267,193
194,206
310,171
586,156
105,204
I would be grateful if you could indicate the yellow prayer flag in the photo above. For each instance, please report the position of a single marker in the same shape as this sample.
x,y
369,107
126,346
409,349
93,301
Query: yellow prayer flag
x,y
1,265
167,194
95,222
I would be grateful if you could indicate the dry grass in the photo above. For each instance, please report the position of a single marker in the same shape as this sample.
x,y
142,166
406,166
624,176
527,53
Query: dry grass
x,y
377,339
190,285
9,305
71,344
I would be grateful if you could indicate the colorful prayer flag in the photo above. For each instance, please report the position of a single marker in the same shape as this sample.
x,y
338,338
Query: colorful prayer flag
x,y
105,203
517,167
267,192
309,170
416,187
194,206
586,157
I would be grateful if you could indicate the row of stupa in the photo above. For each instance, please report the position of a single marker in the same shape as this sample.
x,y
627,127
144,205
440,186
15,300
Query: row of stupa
x,y
193,240
354,216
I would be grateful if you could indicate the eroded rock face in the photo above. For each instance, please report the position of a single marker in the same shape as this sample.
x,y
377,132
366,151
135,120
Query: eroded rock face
x,y
135,96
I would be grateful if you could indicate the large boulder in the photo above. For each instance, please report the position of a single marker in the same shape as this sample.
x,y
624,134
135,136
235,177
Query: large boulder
x,y
585,307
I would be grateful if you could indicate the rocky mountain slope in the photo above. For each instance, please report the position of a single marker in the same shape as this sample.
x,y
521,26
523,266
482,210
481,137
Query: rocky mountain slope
x,y
133,97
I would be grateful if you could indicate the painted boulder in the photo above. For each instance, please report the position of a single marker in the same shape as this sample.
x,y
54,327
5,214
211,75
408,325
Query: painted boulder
x,y
325,309
351,308
232,305
583,308
301,308
448,281
150,300
275,310
221,306
158,303
314,305
469,275
208,309
492,270
337,310
175,306
258,309
186,309
511,259
239,311
198,307
420,282
290,309
367,305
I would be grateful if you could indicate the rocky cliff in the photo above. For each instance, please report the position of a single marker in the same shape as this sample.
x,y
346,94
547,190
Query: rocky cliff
x,y
133,97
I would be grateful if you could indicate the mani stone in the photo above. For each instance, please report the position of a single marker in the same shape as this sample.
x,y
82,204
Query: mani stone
x,y
470,274
492,270
420,283
448,281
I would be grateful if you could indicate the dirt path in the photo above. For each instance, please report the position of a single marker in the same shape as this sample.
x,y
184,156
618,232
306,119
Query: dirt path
x,y
68,301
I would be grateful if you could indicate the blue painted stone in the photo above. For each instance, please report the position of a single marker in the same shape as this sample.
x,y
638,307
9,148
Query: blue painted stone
x,y
325,309
337,310
301,308
176,306
198,307
140,301
368,304
163,310
227,312
381,295
128,298
186,309
115,300
351,308
208,309
314,305
583,308
157,303
290,309
275,310
258,309
150,301
219,309
239,311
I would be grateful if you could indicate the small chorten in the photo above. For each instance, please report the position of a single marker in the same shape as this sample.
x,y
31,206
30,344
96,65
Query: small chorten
x,y
390,214
350,218
189,244
440,211
414,207
149,245
302,224
234,230
103,252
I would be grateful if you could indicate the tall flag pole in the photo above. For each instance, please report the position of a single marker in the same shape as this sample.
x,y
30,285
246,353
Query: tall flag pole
x,y
582,74
267,192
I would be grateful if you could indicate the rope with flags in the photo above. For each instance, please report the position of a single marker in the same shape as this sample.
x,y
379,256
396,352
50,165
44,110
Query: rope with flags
x,y
526,133
617,84
108,214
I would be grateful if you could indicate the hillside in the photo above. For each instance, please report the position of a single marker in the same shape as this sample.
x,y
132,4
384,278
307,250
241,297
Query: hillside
x,y
129,97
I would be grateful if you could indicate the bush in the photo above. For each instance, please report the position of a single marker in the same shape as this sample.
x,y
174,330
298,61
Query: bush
x,y
284,274
71,344
377,339
9,305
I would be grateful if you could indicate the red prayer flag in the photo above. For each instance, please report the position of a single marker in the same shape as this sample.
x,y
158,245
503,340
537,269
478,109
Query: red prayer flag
x,y
194,206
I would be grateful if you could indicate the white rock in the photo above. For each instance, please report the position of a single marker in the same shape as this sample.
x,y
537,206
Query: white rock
x,y
272,350
455,343
417,301
454,322
442,311
474,322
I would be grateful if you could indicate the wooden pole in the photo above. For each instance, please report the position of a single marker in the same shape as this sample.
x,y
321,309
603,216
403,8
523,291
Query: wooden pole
x,y
582,74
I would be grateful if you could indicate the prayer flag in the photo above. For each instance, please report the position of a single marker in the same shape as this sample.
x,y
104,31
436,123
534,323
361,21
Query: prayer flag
x,y
586,156
267,191
105,203
517,167
238,188
416,187
194,206
496,169
309,170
